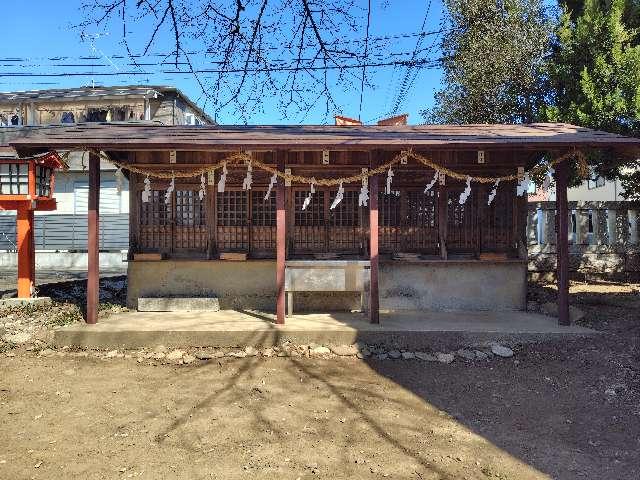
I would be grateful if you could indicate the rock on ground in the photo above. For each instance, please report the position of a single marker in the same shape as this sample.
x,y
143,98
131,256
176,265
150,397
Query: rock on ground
x,y
344,350
188,358
466,354
445,357
17,338
427,357
480,355
320,350
174,355
501,351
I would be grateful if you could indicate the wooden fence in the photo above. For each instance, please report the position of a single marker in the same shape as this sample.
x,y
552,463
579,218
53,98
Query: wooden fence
x,y
603,240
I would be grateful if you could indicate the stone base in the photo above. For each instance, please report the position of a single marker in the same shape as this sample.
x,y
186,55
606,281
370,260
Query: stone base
x,y
23,302
414,331
178,304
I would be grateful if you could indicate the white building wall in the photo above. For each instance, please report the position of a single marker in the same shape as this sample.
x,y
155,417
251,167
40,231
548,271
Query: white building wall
x,y
68,189
611,191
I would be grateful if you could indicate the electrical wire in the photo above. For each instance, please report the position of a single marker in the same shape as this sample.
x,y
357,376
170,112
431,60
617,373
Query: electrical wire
x,y
366,52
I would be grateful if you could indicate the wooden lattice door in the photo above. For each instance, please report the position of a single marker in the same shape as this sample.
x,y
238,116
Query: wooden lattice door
x,y
155,223
498,219
263,224
389,223
420,222
309,227
462,231
345,233
190,227
232,220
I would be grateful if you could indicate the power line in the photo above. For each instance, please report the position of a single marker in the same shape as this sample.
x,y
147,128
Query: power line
x,y
214,62
407,81
212,52
366,52
422,63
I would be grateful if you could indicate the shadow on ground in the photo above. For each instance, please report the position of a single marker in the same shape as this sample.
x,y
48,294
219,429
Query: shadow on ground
x,y
568,410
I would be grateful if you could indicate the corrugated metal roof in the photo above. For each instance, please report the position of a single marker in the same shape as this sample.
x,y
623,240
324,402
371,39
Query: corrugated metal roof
x,y
123,136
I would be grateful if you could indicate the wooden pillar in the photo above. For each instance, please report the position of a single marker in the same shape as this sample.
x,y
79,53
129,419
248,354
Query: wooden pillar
x,y
93,239
562,243
280,240
26,252
374,298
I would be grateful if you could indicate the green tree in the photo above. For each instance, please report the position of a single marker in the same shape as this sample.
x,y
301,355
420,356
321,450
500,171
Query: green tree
x,y
493,58
595,78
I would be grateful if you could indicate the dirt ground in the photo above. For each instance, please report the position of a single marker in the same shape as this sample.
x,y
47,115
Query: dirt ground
x,y
567,410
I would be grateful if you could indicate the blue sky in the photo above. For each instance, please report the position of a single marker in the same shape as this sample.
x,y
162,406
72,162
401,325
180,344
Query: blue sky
x,y
43,28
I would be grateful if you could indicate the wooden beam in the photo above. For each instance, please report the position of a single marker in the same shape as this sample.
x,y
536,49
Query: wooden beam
x,y
562,243
281,239
26,252
374,297
134,221
93,240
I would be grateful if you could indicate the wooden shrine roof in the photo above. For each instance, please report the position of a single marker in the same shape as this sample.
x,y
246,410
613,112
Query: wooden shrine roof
x,y
131,136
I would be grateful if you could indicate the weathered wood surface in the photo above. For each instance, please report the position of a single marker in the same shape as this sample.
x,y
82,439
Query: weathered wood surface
x,y
308,137
93,240
410,220
562,255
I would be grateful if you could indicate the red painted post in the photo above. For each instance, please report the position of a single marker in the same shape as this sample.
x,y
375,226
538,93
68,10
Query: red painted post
x,y
26,252
93,240
280,241
374,300
562,243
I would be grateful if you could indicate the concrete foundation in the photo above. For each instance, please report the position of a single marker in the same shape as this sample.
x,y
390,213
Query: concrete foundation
x,y
453,285
111,261
178,304
410,330
24,302
434,285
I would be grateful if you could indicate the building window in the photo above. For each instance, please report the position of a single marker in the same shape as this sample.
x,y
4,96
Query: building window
x,y
43,181
595,182
68,117
97,115
191,119
14,179
116,114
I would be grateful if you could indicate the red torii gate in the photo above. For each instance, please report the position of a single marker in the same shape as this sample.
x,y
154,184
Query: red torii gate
x,y
26,185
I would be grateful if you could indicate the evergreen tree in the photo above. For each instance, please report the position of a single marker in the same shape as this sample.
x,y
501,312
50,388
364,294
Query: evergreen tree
x,y
494,62
595,77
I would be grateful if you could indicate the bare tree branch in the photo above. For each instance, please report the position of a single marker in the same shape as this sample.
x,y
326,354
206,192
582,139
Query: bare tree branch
x,y
297,52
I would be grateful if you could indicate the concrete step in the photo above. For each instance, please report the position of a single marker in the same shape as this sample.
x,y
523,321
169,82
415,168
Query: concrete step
x,y
415,331
178,304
